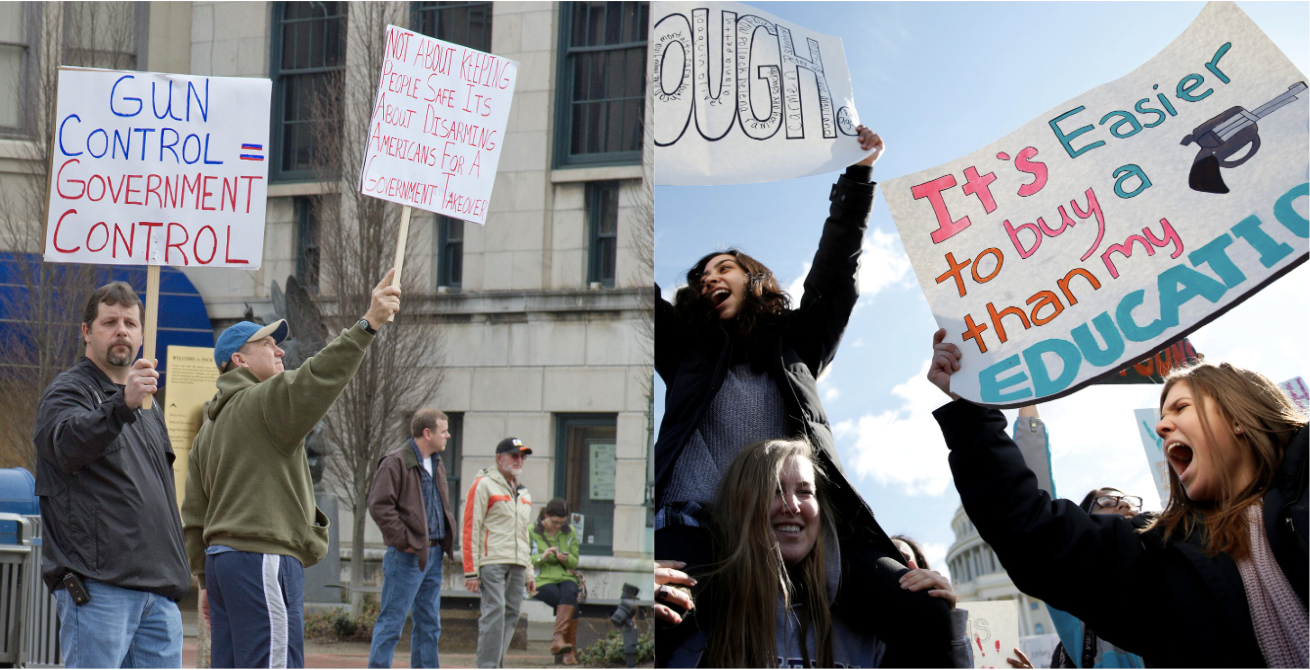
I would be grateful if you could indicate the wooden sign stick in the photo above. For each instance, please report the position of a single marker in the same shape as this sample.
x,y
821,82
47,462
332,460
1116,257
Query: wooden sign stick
x,y
400,249
152,320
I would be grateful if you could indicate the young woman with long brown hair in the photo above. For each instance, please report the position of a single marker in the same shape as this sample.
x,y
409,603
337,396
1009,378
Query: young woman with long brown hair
x,y
740,363
1220,579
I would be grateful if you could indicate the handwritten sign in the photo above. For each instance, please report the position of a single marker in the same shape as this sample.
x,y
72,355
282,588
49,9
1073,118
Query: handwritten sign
x,y
1153,444
993,631
158,169
741,96
1154,369
1118,222
191,375
1296,390
438,124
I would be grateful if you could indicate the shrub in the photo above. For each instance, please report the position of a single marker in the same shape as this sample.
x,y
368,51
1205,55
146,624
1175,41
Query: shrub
x,y
608,651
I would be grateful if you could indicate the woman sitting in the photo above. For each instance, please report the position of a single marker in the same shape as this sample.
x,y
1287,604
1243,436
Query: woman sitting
x,y
555,556
1218,580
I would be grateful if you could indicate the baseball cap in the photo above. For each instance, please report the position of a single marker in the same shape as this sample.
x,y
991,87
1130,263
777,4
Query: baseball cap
x,y
238,335
512,445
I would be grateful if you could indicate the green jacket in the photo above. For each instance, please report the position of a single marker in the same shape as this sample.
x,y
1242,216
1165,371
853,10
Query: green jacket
x,y
551,570
248,481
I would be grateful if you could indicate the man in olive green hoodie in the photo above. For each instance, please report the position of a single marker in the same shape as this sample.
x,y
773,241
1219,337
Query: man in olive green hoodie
x,y
249,518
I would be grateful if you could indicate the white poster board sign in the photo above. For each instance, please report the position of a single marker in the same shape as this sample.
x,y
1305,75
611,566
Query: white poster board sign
x,y
741,96
1119,221
993,631
437,127
1153,445
158,169
1297,391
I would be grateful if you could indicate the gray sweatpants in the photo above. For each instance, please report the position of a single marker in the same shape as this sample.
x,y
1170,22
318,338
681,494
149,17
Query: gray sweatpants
x,y
501,587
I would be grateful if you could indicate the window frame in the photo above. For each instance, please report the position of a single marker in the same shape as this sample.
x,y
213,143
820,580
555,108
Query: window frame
x,y
276,74
308,216
416,18
564,97
563,422
32,19
594,209
452,457
444,278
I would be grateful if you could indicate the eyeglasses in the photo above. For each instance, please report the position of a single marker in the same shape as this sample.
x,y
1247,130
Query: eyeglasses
x,y
1111,502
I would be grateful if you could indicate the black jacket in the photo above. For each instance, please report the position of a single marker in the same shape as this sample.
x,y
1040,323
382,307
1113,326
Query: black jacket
x,y
1165,601
693,364
105,477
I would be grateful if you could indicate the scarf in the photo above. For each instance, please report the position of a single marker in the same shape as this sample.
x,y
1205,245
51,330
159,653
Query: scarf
x,y
1280,620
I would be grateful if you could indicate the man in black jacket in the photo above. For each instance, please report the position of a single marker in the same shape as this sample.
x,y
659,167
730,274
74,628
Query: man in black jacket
x,y
109,517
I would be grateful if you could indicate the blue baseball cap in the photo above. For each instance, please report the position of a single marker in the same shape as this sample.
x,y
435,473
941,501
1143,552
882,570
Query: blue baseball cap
x,y
238,335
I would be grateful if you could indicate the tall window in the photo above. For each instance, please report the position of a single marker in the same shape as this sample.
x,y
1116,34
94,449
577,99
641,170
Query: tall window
x,y
450,252
584,476
103,34
466,23
307,243
603,222
14,64
308,57
452,457
602,82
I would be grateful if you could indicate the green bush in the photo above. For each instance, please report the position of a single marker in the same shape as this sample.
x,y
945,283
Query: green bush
x,y
608,652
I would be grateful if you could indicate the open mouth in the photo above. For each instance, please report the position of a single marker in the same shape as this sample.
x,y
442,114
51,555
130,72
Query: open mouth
x,y
719,296
787,529
1180,457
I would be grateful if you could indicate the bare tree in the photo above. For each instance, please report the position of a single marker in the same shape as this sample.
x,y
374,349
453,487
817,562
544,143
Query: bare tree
x,y
357,246
41,337
643,277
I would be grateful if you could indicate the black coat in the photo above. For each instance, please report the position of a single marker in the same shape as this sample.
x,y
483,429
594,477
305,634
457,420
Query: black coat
x,y
105,477
1165,601
693,364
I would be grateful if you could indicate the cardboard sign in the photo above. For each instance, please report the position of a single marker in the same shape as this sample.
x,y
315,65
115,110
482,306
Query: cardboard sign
x,y
741,96
1153,445
158,169
993,631
191,376
1119,221
438,124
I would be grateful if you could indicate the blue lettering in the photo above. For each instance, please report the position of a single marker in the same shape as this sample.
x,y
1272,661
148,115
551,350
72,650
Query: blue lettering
x,y
1286,215
145,134
186,143
164,144
1123,315
1179,284
1190,83
1123,173
990,387
1124,118
1270,251
114,89
1213,254
1071,360
207,161
154,102
62,150
103,151
204,108
1092,352
124,142
1067,140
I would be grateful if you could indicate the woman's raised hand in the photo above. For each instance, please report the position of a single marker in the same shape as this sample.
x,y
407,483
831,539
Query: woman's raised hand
x,y
669,572
870,140
945,362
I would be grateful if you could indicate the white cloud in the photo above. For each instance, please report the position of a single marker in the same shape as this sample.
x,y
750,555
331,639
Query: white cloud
x,y
883,264
935,553
831,393
902,447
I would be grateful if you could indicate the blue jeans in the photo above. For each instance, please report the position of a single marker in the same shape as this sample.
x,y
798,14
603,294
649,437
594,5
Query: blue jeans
x,y
119,628
405,586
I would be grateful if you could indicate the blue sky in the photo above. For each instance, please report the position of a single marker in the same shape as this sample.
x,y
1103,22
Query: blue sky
x,y
939,80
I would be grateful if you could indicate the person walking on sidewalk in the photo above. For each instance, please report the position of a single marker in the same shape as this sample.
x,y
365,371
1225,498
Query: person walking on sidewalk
x,y
249,516
104,473
555,556
411,506
497,517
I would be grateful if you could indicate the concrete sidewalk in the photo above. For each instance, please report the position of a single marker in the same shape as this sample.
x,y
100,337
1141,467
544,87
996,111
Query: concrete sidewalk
x,y
355,655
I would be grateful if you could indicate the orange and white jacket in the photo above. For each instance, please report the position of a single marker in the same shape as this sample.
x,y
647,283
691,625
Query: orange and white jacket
x,y
496,523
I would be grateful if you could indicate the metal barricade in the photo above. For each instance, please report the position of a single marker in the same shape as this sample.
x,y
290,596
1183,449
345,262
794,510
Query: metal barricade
x,y
14,559
40,630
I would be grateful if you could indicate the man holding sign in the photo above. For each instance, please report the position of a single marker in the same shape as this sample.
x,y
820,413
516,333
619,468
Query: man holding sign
x,y
113,551
250,520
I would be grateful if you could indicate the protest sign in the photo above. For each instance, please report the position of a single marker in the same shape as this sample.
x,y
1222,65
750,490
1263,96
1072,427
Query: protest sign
x,y
1153,370
993,631
438,125
191,375
1118,222
1296,390
154,169
741,96
158,169
1153,444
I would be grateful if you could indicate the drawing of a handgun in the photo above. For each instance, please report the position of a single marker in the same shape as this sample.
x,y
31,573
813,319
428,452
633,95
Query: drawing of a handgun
x,y
1224,136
